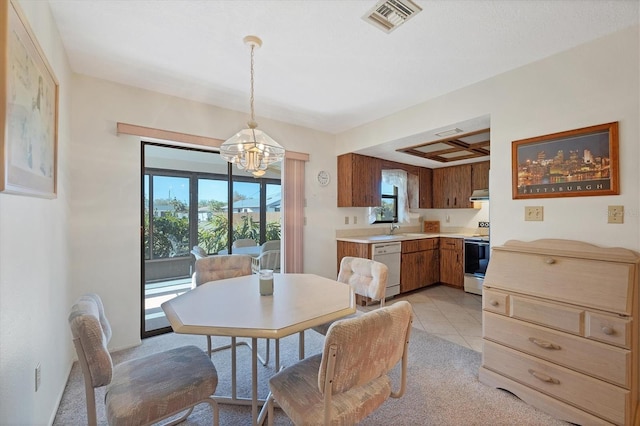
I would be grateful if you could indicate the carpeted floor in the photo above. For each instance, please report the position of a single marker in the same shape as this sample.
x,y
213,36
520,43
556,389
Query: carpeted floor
x,y
443,387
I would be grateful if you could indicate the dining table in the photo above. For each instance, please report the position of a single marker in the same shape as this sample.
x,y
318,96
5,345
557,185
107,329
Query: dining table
x,y
234,307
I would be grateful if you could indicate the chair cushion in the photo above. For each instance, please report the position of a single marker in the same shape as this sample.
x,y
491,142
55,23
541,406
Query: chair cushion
x,y
296,390
219,267
149,388
367,277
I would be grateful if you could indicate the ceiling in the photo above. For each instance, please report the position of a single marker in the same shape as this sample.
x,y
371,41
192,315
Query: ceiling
x,y
321,65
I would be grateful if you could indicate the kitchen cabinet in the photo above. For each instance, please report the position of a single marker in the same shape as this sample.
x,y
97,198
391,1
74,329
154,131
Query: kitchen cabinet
x,y
419,265
359,181
425,200
559,330
451,261
480,175
347,248
452,187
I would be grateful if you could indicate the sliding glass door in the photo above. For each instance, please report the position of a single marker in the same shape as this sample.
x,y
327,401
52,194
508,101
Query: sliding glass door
x,y
191,198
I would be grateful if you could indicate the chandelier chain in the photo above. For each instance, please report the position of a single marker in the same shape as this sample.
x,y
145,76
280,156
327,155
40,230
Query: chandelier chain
x,y
253,118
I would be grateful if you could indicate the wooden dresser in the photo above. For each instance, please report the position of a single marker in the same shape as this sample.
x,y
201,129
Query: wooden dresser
x,y
560,329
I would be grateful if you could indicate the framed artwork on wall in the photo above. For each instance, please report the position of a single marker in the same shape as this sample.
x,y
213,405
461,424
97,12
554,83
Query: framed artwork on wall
x,y
28,109
575,163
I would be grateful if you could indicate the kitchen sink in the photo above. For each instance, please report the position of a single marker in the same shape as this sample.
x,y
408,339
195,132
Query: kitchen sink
x,y
383,237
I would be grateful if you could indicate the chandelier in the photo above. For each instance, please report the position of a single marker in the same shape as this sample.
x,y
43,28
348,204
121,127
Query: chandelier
x,y
252,149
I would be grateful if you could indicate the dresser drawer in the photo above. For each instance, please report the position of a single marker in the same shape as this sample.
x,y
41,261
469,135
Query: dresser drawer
x,y
594,396
594,283
608,329
495,301
596,359
560,317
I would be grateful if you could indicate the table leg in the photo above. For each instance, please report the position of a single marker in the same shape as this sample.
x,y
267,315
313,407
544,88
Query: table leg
x,y
301,345
234,387
254,380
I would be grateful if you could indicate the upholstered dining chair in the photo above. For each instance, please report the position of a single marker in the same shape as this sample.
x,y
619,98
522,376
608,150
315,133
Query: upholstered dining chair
x,y
143,390
349,380
367,278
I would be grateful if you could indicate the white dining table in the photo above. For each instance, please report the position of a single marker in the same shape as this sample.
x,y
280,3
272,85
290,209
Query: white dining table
x,y
234,307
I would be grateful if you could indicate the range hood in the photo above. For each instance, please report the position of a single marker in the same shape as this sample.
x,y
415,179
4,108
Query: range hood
x,y
479,195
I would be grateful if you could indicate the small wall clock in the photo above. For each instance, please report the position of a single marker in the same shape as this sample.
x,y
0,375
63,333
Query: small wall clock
x,y
323,178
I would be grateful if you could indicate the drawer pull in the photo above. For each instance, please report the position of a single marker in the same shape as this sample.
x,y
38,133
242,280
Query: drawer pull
x,y
494,303
549,261
544,377
543,344
608,330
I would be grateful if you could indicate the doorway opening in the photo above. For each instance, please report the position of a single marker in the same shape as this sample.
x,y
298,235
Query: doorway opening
x,y
193,198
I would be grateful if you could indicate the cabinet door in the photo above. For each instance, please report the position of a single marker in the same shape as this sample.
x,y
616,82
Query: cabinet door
x,y
452,187
419,269
359,179
480,175
409,271
451,267
426,188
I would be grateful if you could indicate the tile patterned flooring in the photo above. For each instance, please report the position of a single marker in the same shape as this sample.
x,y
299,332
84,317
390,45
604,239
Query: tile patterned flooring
x,y
447,312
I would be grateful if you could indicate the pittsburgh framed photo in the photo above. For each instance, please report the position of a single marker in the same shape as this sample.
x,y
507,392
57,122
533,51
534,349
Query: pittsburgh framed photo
x,y
28,110
575,163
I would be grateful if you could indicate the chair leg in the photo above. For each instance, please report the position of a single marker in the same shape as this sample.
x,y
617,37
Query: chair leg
x,y
270,409
181,418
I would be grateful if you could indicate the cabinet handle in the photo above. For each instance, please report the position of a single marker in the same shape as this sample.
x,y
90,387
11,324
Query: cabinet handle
x,y
549,261
455,201
543,344
494,303
544,377
608,330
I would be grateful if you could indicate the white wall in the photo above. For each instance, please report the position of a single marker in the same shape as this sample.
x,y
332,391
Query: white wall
x,y
591,84
34,269
105,210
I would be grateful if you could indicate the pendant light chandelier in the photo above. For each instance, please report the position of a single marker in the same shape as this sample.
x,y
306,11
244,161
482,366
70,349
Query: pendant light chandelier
x,y
252,149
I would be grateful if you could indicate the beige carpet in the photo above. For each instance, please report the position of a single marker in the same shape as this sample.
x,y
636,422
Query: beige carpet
x,y
443,387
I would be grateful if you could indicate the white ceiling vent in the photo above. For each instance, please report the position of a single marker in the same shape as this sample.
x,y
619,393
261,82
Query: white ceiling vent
x,y
390,14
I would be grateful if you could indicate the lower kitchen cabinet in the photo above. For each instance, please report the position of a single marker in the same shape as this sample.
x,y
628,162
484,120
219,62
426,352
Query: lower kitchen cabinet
x,y
451,261
420,265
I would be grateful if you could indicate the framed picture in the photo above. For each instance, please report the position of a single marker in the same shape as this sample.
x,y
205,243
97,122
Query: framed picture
x,y
28,109
575,163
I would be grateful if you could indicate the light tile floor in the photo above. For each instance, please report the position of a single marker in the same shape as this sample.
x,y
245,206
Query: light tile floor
x,y
447,312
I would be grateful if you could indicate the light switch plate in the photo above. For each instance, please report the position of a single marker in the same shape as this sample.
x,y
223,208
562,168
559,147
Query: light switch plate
x,y
534,213
615,214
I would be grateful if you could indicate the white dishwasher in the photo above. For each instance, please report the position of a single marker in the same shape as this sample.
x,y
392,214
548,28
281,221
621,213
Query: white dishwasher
x,y
389,254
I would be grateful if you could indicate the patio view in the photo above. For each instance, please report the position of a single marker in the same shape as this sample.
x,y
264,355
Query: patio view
x,y
191,206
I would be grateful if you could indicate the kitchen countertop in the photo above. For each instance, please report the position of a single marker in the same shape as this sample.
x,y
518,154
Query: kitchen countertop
x,y
385,238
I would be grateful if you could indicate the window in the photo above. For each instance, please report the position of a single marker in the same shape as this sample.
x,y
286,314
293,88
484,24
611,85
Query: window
x,y
388,212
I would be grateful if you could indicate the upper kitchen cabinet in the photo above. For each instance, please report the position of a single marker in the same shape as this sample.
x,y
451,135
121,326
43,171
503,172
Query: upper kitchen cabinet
x,y
426,188
359,181
480,175
452,187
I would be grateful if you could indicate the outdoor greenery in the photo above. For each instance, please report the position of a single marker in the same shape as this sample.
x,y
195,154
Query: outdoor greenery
x,y
171,233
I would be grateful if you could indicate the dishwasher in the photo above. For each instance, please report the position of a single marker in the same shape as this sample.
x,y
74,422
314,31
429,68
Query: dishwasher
x,y
389,254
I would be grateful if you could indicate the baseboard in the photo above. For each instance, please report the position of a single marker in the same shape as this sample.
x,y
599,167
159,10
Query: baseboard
x,y
551,406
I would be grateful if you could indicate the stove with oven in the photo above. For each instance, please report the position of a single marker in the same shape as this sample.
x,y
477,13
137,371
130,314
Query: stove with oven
x,y
476,259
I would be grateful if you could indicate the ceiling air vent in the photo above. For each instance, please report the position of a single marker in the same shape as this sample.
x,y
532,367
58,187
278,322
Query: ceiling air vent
x,y
390,14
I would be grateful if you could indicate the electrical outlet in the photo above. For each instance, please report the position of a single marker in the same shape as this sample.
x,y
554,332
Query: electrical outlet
x,y
355,220
483,224
615,214
534,213
346,220
38,377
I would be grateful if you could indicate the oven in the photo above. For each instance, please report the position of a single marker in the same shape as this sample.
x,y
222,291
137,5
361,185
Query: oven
x,y
476,259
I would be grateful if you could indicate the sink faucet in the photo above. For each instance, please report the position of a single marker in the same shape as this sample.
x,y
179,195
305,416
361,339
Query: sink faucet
x,y
394,226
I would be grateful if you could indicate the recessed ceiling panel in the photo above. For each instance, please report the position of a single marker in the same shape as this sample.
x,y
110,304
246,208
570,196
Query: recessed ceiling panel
x,y
459,147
